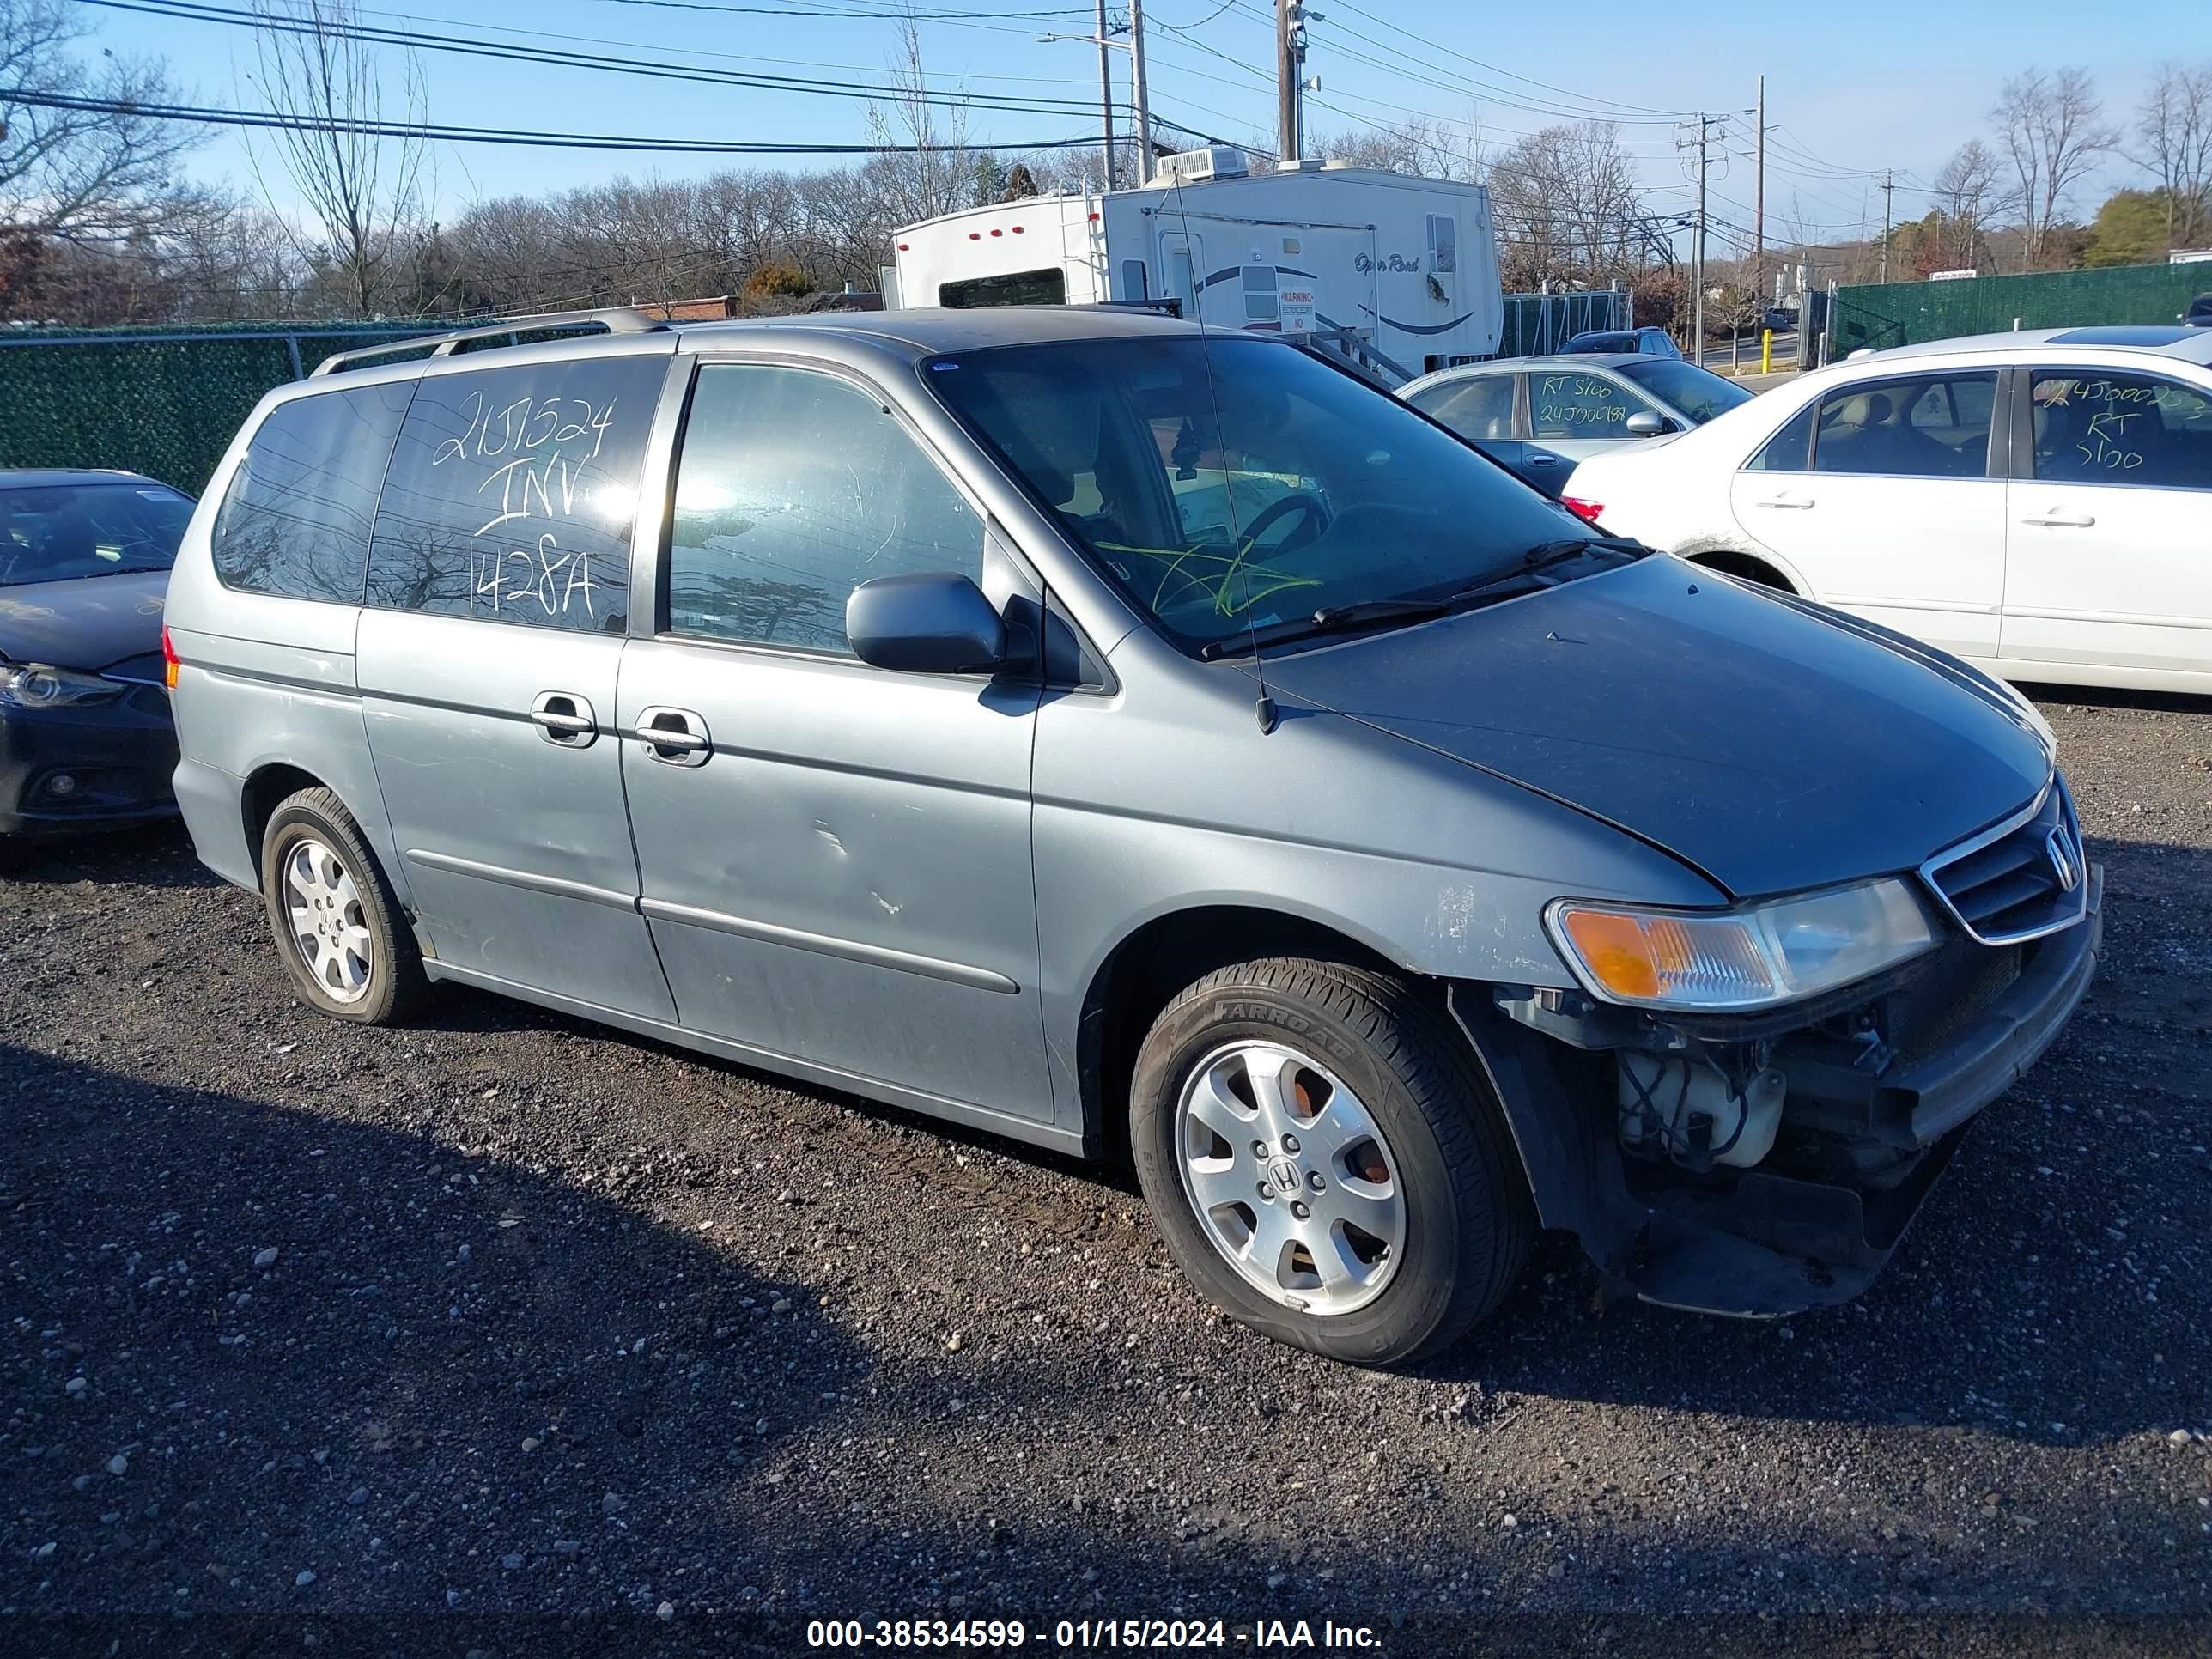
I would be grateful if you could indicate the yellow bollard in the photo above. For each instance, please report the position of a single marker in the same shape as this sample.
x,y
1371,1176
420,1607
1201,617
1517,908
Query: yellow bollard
x,y
1767,351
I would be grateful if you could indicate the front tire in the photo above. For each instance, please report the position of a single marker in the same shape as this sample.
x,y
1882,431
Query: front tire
x,y
336,924
1325,1161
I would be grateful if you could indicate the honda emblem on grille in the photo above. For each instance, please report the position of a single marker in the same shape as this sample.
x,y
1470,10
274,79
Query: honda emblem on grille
x,y
2064,860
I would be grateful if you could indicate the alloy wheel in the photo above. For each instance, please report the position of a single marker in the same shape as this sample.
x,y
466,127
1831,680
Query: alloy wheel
x,y
1291,1178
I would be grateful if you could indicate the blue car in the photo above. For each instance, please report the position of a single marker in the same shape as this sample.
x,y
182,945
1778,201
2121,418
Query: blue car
x,y
85,737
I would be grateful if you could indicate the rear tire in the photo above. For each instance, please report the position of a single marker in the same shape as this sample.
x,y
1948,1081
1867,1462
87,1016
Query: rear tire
x,y
1325,1161
338,928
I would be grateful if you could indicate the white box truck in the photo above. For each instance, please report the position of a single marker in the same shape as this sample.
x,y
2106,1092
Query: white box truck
x,y
1397,271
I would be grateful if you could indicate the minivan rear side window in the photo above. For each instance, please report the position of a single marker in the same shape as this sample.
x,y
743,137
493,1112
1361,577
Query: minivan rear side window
x,y
296,519
512,493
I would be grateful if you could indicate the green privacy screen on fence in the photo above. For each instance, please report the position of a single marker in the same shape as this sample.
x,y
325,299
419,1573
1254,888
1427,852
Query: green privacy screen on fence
x,y
165,403
1904,313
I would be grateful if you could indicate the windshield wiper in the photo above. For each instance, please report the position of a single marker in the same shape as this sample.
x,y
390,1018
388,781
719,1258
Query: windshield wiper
x,y
1347,619
1520,577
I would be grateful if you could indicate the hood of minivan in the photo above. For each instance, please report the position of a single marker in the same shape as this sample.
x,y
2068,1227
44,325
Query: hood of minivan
x,y
1770,747
87,624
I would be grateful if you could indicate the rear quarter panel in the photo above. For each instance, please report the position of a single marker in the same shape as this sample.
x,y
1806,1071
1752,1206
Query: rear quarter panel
x,y
263,682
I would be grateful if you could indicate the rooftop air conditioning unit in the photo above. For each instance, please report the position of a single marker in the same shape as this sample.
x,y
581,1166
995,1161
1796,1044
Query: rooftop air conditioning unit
x,y
1194,167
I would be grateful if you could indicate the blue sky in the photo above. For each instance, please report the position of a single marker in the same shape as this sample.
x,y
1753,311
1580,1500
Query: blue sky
x,y
1892,83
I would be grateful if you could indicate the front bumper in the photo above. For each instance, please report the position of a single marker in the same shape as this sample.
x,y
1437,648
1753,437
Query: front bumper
x,y
1807,1227
117,755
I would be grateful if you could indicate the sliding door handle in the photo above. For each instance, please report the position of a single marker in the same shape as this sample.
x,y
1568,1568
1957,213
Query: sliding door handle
x,y
564,718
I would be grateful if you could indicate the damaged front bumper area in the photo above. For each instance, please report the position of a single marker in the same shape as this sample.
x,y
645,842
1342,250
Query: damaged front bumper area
x,y
1655,1139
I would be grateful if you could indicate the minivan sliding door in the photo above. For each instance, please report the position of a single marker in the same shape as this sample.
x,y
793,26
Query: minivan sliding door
x,y
489,651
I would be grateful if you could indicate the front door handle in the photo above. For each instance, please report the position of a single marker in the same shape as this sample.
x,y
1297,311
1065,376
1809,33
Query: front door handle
x,y
674,737
2057,519
1543,461
564,718
1785,503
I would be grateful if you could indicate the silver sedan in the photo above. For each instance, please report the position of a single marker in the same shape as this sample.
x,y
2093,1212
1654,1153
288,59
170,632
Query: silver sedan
x,y
1540,417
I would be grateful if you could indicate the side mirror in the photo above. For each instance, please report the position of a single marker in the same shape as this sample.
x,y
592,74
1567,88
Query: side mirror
x,y
1647,423
934,621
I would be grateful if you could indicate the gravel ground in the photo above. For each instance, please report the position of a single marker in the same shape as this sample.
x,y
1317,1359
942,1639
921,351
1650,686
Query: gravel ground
x,y
505,1314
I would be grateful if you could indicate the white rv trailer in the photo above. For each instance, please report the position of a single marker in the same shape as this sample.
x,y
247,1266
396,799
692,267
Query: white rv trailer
x,y
1399,271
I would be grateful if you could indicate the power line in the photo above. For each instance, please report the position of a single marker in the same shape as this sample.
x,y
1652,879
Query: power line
x,y
1425,73
1644,109
196,11
700,52
525,138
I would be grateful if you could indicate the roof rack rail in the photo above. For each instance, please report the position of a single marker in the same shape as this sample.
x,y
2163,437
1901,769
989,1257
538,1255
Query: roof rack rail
x,y
616,320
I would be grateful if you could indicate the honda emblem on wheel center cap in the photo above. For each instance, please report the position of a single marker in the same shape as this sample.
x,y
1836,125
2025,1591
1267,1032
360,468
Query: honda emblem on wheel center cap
x,y
1283,1174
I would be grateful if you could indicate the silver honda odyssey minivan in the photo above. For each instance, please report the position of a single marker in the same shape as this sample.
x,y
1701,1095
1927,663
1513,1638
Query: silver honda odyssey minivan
x,y
1130,738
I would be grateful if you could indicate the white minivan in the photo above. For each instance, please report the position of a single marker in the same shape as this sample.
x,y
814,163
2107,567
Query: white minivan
x,y
2038,503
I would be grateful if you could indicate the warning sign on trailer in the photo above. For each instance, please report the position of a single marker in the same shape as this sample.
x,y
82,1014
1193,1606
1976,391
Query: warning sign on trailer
x,y
1297,310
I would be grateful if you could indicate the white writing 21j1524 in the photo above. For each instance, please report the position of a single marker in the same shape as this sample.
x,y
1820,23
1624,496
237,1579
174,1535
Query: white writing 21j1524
x,y
537,480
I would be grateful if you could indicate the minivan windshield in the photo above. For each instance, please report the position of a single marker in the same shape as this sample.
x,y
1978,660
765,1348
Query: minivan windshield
x,y
1697,393
58,532
1232,485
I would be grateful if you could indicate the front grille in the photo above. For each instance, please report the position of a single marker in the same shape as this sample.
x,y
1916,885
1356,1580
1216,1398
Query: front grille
x,y
2025,879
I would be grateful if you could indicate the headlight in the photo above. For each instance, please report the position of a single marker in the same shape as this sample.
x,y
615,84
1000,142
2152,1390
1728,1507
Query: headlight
x,y
34,685
1728,960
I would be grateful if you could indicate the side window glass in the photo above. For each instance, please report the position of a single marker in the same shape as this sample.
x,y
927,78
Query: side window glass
x,y
1791,449
1478,408
794,489
1260,302
295,521
2121,429
1444,244
513,492
1022,288
1580,406
1921,427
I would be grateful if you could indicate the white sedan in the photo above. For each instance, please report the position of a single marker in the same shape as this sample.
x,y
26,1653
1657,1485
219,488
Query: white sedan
x,y
2038,503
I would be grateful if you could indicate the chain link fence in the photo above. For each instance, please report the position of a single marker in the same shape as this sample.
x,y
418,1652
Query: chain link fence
x,y
1538,323
164,403
1876,315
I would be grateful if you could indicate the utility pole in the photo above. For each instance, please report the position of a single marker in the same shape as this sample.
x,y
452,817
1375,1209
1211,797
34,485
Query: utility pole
x,y
1705,123
1759,209
1137,92
1105,95
1290,69
1134,45
1888,189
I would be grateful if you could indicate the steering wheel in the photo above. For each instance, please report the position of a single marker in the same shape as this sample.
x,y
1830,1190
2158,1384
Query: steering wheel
x,y
1316,515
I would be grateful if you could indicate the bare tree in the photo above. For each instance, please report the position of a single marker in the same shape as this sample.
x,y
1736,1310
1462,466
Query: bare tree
x,y
2051,129
364,191
1564,203
1964,192
1428,147
924,168
77,175
2174,126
